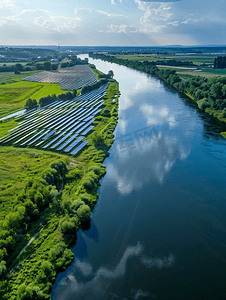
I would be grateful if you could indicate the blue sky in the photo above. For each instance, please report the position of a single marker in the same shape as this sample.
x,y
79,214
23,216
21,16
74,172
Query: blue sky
x,y
112,22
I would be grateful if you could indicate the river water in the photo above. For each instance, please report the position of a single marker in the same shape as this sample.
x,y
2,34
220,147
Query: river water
x,y
158,230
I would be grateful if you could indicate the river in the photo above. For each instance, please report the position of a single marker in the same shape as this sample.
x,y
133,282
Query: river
x,y
158,230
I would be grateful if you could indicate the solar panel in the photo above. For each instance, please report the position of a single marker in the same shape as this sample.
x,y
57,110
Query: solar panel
x,y
61,140
86,125
32,142
70,127
80,147
78,140
24,143
96,112
79,125
88,118
49,134
24,137
67,142
52,141
87,130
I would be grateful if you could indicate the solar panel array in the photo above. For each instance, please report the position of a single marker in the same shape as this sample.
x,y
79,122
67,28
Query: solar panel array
x,y
60,126
68,78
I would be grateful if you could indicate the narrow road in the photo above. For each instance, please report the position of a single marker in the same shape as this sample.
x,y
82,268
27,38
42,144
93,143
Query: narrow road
x,y
31,240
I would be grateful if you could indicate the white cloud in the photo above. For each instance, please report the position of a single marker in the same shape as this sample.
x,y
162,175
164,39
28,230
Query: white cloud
x,y
189,21
117,28
5,3
155,16
93,11
174,23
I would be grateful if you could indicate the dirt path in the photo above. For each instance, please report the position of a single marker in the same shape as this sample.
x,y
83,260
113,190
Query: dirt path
x,y
31,240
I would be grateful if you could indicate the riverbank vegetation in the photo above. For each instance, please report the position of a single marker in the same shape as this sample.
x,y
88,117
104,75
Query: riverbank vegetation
x,y
48,197
209,93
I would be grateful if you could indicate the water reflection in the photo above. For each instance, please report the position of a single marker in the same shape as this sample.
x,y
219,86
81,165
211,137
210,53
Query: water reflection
x,y
131,172
96,285
167,192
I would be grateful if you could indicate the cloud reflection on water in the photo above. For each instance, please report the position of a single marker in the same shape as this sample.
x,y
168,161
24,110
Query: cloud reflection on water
x,y
96,285
131,172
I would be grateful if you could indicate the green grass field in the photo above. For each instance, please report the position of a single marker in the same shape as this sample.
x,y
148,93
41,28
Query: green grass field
x,y
198,60
215,71
9,64
17,165
190,74
14,94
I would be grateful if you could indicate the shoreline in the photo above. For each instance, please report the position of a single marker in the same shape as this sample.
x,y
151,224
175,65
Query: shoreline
x,y
153,71
36,269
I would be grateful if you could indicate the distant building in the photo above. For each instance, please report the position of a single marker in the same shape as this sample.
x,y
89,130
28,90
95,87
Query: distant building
x,y
54,60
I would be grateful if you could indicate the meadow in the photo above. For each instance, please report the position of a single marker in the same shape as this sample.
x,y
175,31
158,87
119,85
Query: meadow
x,y
25,176
196,59
14,94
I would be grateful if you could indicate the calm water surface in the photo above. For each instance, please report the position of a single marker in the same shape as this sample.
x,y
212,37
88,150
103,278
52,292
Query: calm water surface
x,y
158,230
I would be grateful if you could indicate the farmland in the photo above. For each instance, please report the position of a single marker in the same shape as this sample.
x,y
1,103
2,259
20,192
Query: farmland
x,y
196,59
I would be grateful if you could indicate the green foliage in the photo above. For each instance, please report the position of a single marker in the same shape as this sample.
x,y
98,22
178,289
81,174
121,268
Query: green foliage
x,y
31,103
3,267
73,175
60,166
48,254
98,139
88,88
84,213
203,104
96,169
29,292
107,113
16,71
47,65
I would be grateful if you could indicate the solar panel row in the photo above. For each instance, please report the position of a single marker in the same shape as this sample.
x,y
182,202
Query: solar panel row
x,y
68,141
78,140
80,147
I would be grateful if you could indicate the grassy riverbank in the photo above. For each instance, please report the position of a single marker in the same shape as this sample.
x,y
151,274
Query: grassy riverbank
x,y
52,195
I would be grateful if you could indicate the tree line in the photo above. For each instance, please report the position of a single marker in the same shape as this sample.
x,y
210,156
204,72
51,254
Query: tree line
x,y
32,103
220,62
209,93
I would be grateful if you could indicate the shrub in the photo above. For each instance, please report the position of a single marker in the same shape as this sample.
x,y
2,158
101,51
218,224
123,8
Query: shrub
x,y
75,205
84,213
96,169
202,104
2,267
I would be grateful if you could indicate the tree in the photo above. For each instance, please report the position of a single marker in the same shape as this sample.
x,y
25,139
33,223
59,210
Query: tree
x,y
16,71
110,74
19,67
98,139
2,267
84,213
47,65
31,103
54,66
